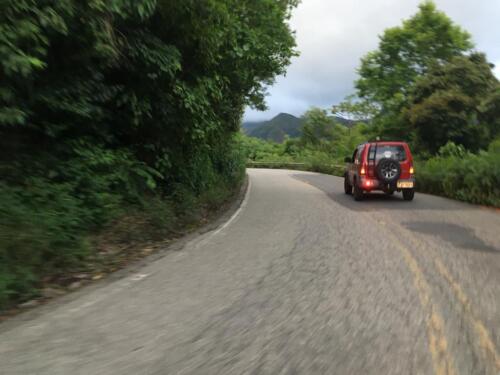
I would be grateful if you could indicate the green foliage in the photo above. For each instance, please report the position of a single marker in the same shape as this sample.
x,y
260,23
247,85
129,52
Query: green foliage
x,y
462,175
489,111
409,50
355,109
446,104
454,172
111,105
321,148
405,52
40,229
318,127
255,149
349,139
278,128
284,126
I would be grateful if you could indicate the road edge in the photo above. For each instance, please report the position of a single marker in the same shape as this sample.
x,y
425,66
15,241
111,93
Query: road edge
x,y
218,222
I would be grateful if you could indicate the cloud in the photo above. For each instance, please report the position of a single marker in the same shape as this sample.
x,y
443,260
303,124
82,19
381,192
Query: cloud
x,y
333,35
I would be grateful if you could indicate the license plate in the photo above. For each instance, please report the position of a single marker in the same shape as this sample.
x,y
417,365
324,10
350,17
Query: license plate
x,y
405,184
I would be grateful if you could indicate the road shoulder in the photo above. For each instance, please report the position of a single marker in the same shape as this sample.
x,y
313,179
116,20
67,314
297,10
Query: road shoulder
x,y
216,221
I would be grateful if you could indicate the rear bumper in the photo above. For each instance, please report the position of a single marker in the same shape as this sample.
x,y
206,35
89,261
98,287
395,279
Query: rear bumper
x,y
369,184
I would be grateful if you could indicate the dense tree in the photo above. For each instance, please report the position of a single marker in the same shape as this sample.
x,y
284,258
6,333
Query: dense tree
x,y
407,51
454,102
489,111
355,109
104,103
318,127
164,79
322,133
404,53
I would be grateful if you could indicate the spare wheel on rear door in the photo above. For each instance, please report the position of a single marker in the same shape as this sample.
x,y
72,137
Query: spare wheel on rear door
x,y
388,170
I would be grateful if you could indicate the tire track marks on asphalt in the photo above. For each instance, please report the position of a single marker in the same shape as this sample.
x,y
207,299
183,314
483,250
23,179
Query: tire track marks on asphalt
x,y
490,352
482,333
438,344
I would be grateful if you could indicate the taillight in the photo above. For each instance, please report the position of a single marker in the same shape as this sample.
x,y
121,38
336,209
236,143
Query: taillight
x,y
363,170
412,170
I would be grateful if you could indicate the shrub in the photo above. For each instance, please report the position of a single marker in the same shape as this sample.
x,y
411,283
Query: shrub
x,y
40,231
462,175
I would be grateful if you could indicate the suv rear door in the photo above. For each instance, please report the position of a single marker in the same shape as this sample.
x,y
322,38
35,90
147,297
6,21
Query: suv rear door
x,y
397,151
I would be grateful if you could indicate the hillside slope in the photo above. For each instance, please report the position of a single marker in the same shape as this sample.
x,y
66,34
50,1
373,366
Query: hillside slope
x,y
249,126
277,128
281,126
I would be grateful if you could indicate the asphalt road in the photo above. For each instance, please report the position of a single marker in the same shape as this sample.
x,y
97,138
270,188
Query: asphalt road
x,y
301,280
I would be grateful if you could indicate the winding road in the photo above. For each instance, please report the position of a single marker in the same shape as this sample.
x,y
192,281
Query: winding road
x,y
300,280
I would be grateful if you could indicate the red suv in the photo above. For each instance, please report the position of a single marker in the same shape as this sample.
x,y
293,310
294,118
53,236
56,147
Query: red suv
x,y
384,166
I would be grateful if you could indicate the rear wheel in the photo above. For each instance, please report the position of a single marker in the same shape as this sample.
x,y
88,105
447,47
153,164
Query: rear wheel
x,y
347,185
358,192
408,194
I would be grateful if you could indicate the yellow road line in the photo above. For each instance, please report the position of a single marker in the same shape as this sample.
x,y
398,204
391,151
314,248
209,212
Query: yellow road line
x,y
438,345
485,340
486,343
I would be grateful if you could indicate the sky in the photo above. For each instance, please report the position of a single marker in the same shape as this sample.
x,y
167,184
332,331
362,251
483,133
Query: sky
x,y
333,35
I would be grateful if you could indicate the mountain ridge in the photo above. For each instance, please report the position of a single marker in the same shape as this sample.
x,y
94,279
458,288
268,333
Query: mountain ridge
x,y
281,126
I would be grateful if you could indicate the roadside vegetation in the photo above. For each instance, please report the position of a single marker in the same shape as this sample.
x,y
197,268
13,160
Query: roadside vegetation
x,y
463,175
118,110
124,116
321,147
444,101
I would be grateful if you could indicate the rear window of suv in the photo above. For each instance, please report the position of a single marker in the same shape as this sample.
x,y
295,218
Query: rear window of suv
x,y
378,152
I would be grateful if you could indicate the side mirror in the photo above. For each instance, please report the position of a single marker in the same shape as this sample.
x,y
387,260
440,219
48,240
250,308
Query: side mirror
x,y
348,159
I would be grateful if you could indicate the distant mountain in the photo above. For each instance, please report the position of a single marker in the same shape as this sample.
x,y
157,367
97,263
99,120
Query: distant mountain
x,y
248,126
281,126
277,128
